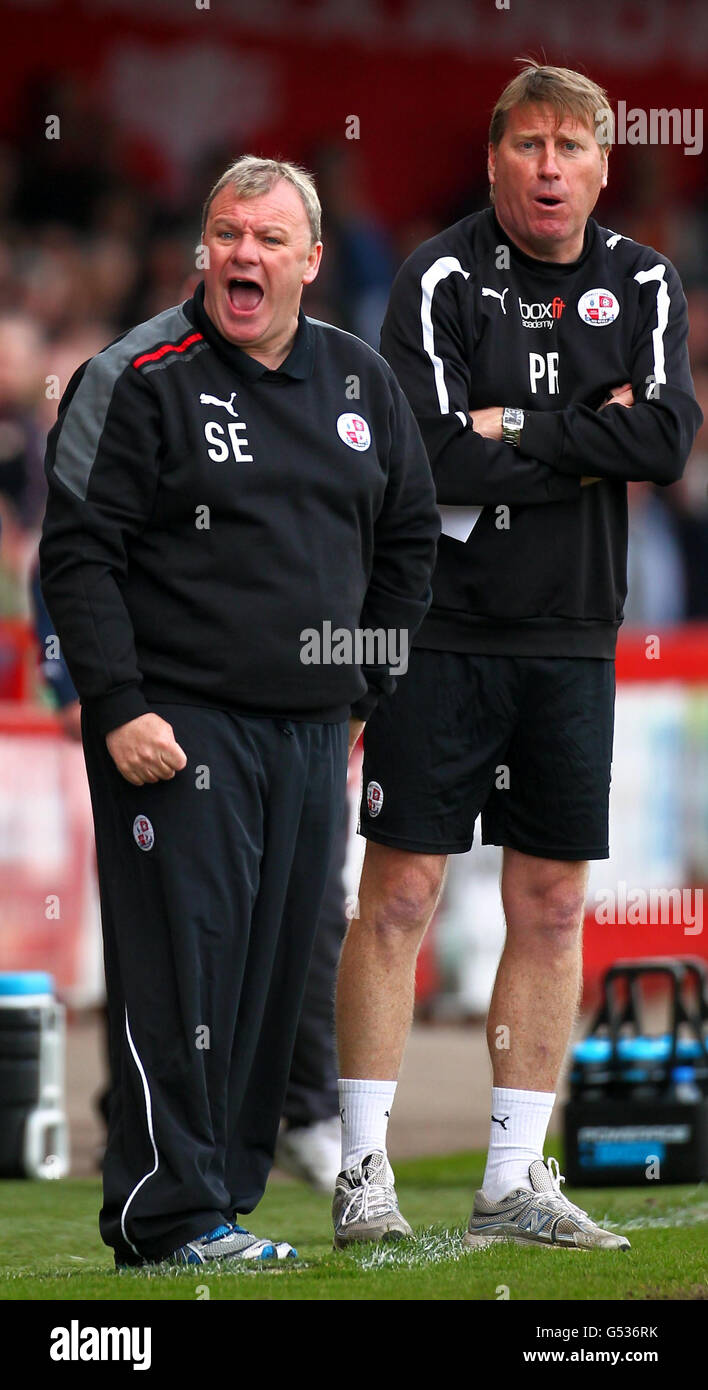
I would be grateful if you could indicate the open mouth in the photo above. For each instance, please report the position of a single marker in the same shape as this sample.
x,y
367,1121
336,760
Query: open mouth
x,y
245,295
548,201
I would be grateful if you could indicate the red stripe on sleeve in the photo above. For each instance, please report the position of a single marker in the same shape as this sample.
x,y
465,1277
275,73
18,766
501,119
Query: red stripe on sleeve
x,y
168,347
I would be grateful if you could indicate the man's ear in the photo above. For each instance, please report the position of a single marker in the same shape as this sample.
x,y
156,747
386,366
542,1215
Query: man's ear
x,y
491,163
605,167
314,258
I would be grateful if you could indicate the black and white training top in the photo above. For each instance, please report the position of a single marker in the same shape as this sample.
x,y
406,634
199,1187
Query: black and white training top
x,y
530,562
205,512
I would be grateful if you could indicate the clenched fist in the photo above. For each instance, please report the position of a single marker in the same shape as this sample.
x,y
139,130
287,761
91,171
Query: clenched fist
x,y
145,750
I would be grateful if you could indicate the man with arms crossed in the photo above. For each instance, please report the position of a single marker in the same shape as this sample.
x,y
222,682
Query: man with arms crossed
x,y
545,360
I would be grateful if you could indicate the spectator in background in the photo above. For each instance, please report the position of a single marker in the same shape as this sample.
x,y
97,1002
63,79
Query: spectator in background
x,y
689,503
21,445
65,167
697,300
112,271
61,357
22,487
656,592
361,259
54,669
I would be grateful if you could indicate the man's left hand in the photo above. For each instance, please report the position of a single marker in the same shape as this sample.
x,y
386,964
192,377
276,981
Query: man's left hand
x,y
355,729
620,395
488,422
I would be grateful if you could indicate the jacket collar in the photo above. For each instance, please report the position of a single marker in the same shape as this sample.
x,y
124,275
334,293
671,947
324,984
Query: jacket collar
x,y
298,364
557,268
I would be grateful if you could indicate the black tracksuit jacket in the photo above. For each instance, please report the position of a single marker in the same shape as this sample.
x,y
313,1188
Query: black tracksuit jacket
x,y
531,563
204,511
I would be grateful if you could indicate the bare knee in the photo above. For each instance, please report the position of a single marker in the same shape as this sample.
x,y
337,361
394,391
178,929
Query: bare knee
x,y
545,904
560,910
399,892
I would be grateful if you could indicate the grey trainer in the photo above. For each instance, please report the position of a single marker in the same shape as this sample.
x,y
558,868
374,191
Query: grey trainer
x,y
365,1205
541,1217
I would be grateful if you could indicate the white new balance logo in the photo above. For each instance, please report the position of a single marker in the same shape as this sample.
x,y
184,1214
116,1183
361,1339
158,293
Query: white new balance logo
x,y
533,1221
214,400
495,295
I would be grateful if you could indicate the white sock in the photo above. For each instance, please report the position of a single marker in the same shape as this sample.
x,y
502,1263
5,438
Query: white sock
x,y
516,1137
364,1109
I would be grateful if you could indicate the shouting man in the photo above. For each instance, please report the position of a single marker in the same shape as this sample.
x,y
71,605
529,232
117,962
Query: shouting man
x,y
215,491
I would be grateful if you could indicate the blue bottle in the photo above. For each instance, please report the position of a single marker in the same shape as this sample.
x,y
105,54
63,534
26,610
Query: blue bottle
x,y
684,1087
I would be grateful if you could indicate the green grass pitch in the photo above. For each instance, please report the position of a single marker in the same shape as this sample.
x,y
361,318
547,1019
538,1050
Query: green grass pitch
x,y
50,1248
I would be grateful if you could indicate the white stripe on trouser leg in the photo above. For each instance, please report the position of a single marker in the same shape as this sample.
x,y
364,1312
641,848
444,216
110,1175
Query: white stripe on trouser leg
x,y
148,1116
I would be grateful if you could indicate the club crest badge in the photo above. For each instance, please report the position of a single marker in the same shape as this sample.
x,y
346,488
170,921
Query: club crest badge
x,y
143,833
598,307
354,431
374,798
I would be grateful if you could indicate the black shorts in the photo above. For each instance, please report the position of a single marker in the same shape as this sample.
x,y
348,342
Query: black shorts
x,y
526,741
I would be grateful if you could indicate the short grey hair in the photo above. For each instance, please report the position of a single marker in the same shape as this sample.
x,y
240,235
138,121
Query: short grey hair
x,y
250,177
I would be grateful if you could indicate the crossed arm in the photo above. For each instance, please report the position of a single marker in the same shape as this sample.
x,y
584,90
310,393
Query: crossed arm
x,y
488,422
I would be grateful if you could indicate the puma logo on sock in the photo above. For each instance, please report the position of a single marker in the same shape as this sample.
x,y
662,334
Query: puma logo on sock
x,y
501,1122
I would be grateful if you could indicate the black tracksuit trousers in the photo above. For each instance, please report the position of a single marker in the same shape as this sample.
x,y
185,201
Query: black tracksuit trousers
x,y
211,885
312,1092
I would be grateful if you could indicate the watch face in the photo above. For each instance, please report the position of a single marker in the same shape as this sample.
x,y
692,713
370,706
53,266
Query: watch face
x,y
512,425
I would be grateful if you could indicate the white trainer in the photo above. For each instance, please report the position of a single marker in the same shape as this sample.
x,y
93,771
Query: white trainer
x,y
543,1216
312,1153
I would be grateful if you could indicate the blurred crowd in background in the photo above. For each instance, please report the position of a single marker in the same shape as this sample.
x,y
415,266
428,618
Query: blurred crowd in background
x,y
90,246
116,118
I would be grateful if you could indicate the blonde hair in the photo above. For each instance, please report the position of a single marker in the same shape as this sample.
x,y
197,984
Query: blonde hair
x,y
568,93
250,177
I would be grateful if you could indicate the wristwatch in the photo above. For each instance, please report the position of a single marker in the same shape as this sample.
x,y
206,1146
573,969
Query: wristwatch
x,y
512,425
